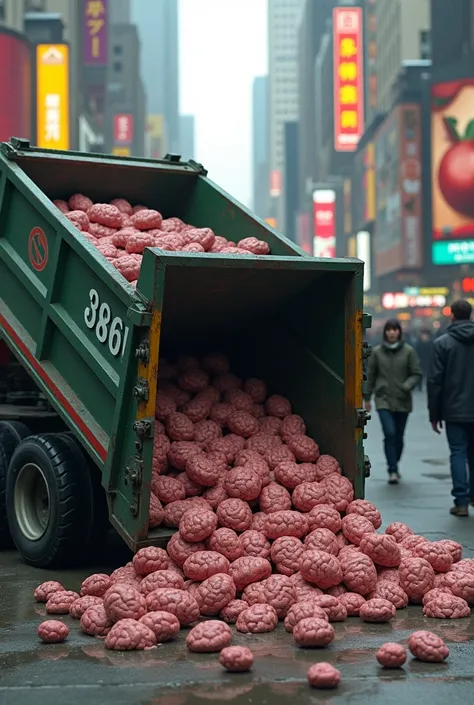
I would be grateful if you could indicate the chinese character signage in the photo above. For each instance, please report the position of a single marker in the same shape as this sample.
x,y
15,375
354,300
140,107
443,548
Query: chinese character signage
x,y
411,185
52,96
95,32
123,129
324,218
452,177
348,78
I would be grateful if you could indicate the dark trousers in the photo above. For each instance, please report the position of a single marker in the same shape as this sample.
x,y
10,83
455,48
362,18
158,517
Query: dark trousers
x,y
461,445
393,427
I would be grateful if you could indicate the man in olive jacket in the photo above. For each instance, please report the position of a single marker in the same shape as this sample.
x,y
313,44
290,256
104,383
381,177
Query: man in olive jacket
x,y
451,399
393,372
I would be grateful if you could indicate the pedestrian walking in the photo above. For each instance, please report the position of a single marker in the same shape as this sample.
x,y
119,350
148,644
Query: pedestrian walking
x,y
392,374
423,347
451,400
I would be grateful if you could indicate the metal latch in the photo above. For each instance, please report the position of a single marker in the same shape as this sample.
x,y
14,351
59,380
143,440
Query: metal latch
x,y
133,476
143,428
143,352
367,466
141,391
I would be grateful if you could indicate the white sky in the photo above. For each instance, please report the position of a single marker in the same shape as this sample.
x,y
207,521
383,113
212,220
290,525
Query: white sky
x,y
223,46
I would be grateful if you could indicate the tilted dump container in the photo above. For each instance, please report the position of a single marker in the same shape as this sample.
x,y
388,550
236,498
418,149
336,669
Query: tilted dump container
x,y
92,344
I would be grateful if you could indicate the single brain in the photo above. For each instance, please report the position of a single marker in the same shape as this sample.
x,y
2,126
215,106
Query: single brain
x,y
366,509
286,523
236,659
290,474
257,619
416,577
426,646
161,579
311,632
195,526
167,489
355,526
202,470
178,602
254,543
446,606
235,514
392,592
60,602
124,601
243,424
209,636
453,547
286,553
303,448
323,675
280,593
391,655
461,584
326,465
274,498
95,621
339,491
322,540
129,635
292,425
52,631
322,516
148,560
309,495
377,610
359,573
249,569
230,612
352,601
215,593
303,610
382,548
202,564
78,607
243,483
398,530
321,569
226,542
438,556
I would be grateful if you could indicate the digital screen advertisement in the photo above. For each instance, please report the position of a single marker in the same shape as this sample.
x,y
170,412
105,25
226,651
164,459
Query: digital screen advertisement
x,y
452,176
348,78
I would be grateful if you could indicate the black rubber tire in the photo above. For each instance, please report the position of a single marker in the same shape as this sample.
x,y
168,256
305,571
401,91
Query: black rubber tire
x,y
11,434
100,526
66,538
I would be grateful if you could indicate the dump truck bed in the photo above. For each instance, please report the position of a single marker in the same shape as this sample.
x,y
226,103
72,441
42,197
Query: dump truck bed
x,y
93,344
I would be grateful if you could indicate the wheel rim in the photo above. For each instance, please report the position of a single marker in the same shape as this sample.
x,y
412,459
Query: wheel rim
x,y
32,501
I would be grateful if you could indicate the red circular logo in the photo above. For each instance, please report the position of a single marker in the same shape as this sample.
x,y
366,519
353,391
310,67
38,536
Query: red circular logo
x,y
38,249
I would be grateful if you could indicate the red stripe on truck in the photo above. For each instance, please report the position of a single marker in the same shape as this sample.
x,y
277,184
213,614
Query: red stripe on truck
x,y
66,405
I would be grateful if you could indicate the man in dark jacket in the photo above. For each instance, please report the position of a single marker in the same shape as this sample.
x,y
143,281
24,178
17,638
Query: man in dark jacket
x,y
451,399
393,372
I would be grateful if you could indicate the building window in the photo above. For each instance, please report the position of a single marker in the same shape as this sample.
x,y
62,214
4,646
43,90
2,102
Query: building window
x,y
425,44
117,50
117,66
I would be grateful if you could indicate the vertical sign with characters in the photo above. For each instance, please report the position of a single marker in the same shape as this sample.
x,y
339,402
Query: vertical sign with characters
x,y
95,32
52,96
348,78
324,216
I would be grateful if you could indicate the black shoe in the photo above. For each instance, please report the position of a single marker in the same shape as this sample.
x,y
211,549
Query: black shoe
x,y
459,511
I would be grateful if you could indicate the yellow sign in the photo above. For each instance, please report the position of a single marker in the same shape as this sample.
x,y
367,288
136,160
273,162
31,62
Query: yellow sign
x,y
271,222
156,125
121,151
52,96
352,247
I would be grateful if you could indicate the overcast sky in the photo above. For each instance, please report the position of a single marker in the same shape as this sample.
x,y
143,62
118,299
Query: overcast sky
x,y
223,46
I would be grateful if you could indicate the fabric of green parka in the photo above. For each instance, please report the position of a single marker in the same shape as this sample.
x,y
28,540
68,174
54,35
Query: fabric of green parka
x,y
392,373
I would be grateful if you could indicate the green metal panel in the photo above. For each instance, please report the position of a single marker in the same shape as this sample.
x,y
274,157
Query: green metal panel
x,y
289,318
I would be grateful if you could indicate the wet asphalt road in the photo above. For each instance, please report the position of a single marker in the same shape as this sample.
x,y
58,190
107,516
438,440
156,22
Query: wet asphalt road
x,y
81,672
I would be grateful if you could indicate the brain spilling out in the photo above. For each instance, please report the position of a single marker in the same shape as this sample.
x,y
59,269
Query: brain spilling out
x,y
121,231
267,529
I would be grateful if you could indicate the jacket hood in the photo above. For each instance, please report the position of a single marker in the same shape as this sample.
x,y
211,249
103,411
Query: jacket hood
x,y
462,331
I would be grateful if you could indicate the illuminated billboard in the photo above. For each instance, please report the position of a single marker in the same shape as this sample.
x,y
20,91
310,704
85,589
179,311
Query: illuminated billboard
x,y
348,78
52,96
95,31
324,219
452,176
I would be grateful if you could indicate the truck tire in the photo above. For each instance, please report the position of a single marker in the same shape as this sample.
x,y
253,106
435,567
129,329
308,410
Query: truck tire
x,y
101,525
49,502
11,434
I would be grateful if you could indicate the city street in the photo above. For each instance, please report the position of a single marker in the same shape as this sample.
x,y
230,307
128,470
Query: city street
x,y
80,671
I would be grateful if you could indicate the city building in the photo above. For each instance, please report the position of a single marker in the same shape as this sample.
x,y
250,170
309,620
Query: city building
x,y
120,12
452,38
186,138
311,26
283,88
291,132
157,23
126,100
11,14
260,146
403,33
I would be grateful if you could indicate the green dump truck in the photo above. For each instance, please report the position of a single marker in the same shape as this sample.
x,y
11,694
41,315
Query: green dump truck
x,y
78,381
